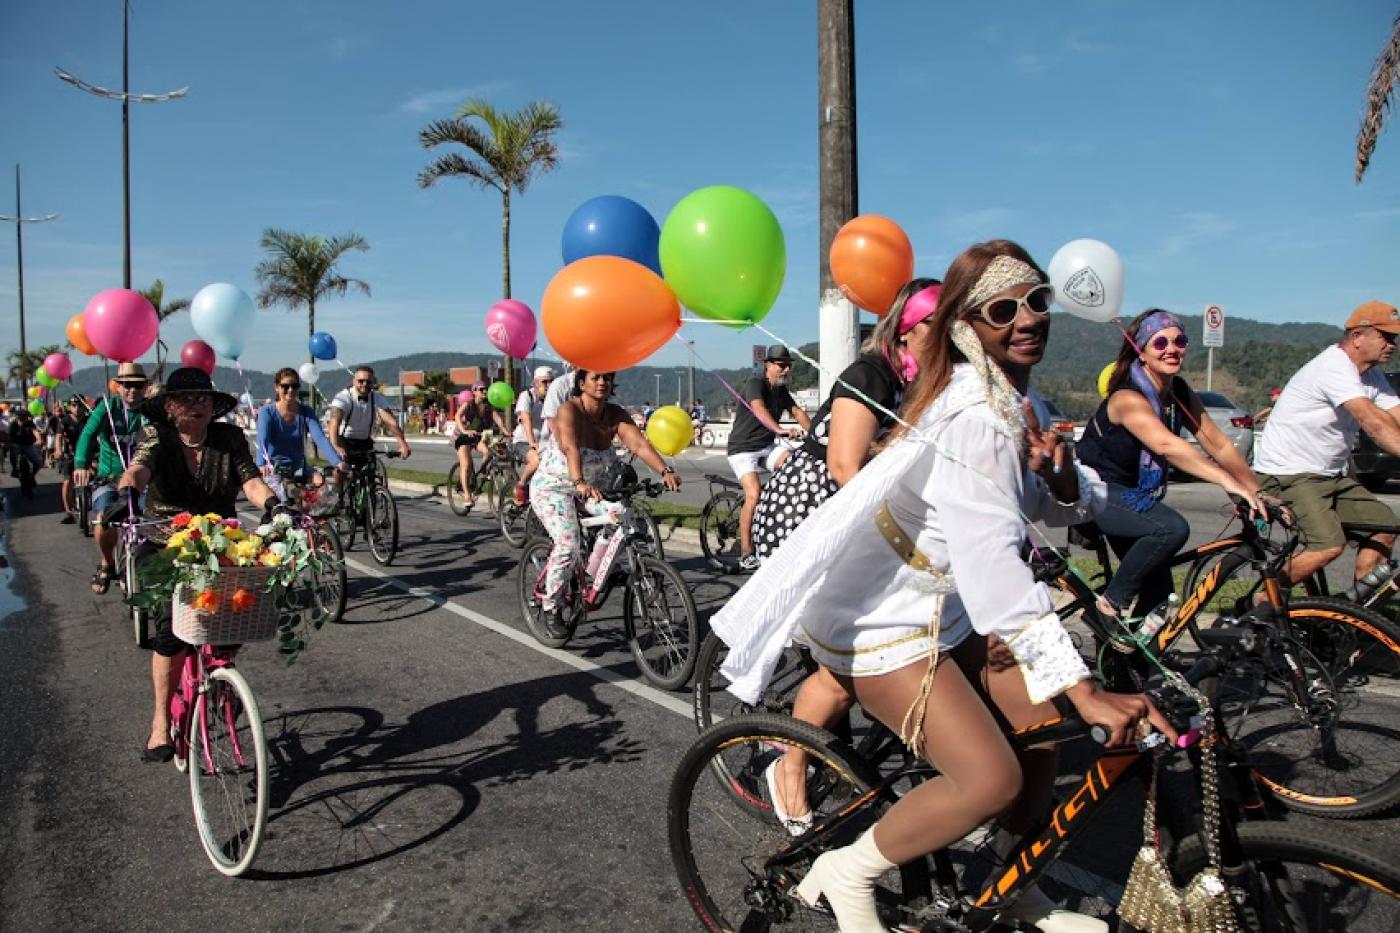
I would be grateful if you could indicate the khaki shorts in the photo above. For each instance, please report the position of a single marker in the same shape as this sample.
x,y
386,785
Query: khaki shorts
x,y
1322,503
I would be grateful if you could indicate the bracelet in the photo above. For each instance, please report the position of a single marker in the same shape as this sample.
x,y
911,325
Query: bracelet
x,y
668,470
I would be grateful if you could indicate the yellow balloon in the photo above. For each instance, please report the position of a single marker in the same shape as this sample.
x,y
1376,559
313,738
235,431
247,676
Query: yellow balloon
x,y
1104,375
36,391
670,430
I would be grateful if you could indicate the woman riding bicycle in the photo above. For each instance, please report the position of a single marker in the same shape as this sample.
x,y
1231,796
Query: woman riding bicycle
x,y
914,562
282,431
474,419
584,430
185,462
1132,440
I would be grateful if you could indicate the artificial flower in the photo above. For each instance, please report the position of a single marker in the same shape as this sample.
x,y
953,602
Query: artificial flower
x,y
243,600
207,601
234,533
270,559
181,520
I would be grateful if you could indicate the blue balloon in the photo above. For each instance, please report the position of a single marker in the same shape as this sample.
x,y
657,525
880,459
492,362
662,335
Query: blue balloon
x,y
222,315
611,225
322,345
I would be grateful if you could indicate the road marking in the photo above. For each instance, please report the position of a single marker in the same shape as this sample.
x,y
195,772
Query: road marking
x,y
645,691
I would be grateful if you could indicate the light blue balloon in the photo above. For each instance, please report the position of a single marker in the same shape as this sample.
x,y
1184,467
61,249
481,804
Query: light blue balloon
x,y
222,315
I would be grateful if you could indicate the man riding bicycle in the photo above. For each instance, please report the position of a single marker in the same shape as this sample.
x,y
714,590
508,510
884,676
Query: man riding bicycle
x,y
108,439
753,439
531,430
1303,453
353,413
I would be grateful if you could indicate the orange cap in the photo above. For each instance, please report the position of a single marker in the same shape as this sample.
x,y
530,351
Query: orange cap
x,y
1375,314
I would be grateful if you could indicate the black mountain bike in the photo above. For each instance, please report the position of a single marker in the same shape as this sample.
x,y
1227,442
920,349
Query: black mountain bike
x,y
367,503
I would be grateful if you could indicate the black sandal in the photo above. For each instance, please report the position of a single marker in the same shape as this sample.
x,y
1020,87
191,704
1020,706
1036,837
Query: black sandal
x,y
102,580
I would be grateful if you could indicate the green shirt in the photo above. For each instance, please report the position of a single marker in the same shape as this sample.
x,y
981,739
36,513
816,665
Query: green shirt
x,y
98,431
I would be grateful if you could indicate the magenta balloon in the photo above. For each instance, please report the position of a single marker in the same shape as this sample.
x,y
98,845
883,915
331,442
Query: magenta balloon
x,y
121,324
58,365
510,326
199,355
464,396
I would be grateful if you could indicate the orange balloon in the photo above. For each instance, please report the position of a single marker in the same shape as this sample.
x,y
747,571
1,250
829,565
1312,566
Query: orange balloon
x,y
78,337
112,386
605,313
871,260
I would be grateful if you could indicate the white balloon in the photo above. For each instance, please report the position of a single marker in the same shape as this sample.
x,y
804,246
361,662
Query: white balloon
x,y
308,373
1088,279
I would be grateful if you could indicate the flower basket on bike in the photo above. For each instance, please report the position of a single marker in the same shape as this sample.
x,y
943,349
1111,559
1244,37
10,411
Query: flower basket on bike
x,y
234,608
322,501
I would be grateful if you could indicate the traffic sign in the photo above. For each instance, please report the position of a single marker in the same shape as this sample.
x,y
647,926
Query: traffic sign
x,y
760,352
1214,326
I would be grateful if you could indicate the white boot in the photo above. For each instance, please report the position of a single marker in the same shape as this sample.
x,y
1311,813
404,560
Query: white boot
x,y
847,878
1036,909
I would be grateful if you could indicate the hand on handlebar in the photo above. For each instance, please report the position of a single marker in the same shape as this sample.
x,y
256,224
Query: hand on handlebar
x,y
82,477
587,490
1248,498
123,505
1119,713
672,481
404,449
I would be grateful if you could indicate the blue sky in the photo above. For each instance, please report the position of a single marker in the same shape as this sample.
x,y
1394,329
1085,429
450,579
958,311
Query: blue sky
x,y
1211,144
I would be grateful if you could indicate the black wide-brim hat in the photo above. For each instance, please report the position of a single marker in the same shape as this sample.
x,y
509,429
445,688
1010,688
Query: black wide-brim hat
x,y
187,380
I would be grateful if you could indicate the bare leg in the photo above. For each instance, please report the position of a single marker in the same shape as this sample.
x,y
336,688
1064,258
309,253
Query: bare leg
x,y
165,676
464,475
1306,563
821,700
752,489
1370,554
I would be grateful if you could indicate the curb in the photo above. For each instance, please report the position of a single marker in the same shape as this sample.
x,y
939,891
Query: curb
x,y
686,540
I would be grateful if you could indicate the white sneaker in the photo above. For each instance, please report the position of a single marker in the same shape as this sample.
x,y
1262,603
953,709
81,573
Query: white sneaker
x,y
748,563
795,825
1034,908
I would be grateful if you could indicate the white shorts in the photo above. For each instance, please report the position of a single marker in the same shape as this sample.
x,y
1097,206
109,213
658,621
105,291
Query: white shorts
x,y
755,460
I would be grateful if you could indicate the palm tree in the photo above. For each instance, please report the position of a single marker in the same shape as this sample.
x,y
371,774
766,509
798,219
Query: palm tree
x,y
1378,100
155,294
436,387
23,366
504,152
301,269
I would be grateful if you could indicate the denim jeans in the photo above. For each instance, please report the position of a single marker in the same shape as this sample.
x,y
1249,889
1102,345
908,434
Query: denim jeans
x,y
1145,543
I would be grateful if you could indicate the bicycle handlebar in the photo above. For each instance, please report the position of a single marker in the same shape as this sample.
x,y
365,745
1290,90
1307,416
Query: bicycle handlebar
x,y
1273,511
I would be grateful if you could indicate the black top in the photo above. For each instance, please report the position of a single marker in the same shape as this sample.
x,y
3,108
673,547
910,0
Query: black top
x,y
22,433
225,466
871,374
748,434
1115,452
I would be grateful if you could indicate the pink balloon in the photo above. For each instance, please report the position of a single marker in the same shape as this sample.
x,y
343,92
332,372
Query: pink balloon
x,y
198,355
58,365
121,324
510,326
464,396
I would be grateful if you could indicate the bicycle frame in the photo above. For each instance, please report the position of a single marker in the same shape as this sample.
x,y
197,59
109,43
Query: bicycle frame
x,y
194,680
592,593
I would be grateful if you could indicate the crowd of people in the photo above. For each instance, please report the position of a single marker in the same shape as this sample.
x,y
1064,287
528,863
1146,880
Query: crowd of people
x,y
888,541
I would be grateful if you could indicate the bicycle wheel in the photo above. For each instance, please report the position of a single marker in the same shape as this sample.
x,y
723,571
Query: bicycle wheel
x,y
512,518
1306,880
228,771
720,860
382,525
458,503
347,520
528,576
140,618
84,499
719,530
652,542
329,585
534,528
661,624
484,484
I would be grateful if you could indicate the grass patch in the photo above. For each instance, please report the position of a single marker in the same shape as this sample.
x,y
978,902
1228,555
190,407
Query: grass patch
x,y
399,473
1235,588
674,515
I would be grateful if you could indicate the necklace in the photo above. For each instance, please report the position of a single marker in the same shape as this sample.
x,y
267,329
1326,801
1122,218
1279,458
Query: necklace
x,y
198,446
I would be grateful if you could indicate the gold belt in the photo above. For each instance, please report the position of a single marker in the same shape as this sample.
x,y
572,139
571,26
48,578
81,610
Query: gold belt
x,y
902,544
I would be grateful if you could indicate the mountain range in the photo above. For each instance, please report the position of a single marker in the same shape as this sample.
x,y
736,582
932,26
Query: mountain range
x,y
1257,356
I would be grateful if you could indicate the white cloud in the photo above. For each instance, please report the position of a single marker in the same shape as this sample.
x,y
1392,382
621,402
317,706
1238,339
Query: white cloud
x,y
442,98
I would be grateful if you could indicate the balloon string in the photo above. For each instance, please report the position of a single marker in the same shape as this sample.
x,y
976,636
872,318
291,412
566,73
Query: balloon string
x,y
763,418
1195,425
248,394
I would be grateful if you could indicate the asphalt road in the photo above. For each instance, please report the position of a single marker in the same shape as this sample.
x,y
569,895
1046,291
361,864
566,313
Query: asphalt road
x,y
435,767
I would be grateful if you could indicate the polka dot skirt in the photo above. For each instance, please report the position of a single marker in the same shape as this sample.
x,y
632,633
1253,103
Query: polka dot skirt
x,y
794,492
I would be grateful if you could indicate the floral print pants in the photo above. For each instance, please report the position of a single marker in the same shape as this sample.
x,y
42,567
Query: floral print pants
x,y
559,516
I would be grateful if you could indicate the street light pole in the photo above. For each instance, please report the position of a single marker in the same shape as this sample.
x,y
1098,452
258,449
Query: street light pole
x,y
126,97
658,390
19,220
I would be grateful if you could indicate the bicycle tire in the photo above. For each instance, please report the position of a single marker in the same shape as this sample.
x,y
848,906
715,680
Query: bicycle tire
x,y
347,520
1329,876
532,563
84,501
230,825
140,618
382,525
1335,752
513,519
534,528
458,503
719,860
665,649
652,542
719,530
484,485
330,584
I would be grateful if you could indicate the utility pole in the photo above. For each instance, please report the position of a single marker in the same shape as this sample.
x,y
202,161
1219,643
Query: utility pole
x,y
19,220
690,369
839,340
658,390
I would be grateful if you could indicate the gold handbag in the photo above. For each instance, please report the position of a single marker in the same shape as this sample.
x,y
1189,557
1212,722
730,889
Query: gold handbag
x,y
1151,902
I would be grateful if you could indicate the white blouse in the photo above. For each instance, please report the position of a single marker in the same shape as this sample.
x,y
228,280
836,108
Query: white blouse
x,y
957,485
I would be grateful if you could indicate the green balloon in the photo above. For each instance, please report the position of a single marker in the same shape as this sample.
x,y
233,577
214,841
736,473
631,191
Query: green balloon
x,y
722,253
44,379
501,396
36,408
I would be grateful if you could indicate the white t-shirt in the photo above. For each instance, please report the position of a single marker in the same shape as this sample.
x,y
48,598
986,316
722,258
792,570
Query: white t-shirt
x,y
1309,431
357,419
527,403
560,391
